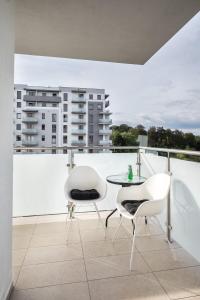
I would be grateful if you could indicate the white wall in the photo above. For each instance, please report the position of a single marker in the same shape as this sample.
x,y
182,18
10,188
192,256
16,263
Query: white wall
x,y
6,108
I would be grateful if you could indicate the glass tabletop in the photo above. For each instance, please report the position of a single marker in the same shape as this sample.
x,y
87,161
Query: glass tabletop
x,y
122,179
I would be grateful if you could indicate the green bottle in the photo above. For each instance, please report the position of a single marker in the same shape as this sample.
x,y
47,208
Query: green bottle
x,y
130,172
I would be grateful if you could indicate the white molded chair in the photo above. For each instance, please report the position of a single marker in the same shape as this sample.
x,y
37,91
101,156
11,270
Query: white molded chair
x,y
155,189
85,178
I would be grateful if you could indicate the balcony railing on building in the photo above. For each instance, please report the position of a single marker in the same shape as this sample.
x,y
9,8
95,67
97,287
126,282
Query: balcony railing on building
x,y
78,131
78,143
30,120
29,143
30,131
78,111
78,121
105,112
105,131
105,142
105,121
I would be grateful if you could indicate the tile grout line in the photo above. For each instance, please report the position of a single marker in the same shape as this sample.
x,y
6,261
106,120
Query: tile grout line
x,y
84,261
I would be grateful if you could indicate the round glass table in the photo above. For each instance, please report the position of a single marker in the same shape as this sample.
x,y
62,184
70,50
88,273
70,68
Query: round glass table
x,y
122,179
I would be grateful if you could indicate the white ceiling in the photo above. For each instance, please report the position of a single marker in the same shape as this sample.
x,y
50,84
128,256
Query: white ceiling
x,y
126,31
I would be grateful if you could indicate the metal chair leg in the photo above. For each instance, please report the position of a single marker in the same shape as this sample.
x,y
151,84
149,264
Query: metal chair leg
x,y
133,247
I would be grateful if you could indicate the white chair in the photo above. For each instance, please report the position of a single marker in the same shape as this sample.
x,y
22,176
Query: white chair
x,y
85,178
155,190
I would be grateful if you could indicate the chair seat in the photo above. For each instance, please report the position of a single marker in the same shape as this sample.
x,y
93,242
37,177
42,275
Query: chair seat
x,y
84,195
132,205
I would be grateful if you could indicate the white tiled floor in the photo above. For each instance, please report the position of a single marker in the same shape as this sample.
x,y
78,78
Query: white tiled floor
x,y
54,261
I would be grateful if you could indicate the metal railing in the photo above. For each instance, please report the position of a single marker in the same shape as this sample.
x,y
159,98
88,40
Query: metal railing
x,y
70,150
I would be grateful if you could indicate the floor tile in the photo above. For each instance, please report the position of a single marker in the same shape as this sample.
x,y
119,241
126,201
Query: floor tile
x,y
168,259
100,234
51,274
53,228
106,248
112,266
24,220
51,218
21,241
153,242
135,287
18,257
74,291
15,273
53,254
180,283
23,229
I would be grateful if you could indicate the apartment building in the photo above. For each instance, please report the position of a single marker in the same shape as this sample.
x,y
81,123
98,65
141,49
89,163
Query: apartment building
x,y
60,116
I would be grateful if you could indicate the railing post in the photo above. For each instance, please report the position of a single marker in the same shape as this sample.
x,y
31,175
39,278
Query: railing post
x,y
138,163
169,226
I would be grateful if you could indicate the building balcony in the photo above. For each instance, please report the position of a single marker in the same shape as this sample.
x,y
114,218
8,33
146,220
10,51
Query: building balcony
x,y
78,111
46,99
78,121
78,131
30,120
105,112
105,121
29,143
78,100
105,142
105,131
30,131
78,143
30,109
43,235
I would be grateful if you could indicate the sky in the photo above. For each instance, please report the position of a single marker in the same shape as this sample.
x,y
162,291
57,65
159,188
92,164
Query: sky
x,y
163,92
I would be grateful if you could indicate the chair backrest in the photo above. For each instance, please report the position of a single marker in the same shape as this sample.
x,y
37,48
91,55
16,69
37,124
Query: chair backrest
x,y
82,178
157,186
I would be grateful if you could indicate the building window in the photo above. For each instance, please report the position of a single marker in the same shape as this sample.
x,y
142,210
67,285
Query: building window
x,y
31,104
81,105
18,116
80,138
65,107
81,95
54,128
18,138
32,93
19,104
90,105
65,128
91,118
64,139
43,116
98,97
54,105
54,94
44,94
91,128
91,139
53,139
19,95
18,126
64,151
44,104
29,114
64,118
80,116
43,126
53,151
80,127
99,106
53,117
91,96
43,138
65,96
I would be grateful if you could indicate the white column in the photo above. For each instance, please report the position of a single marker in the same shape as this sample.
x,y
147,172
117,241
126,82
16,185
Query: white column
x,y
6,123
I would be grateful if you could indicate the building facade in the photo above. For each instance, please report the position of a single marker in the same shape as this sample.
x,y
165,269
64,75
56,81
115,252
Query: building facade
x,y
60,117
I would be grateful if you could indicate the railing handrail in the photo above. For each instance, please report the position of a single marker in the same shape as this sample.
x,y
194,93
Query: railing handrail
x,y
166,150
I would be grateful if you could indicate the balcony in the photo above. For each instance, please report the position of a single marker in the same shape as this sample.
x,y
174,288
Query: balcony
x,y
78,143
30,120
78,131
105,131
30,131
78,121
105,112
105,142
105,121
46,99
160,269
30,109
78,100
29,143
78,111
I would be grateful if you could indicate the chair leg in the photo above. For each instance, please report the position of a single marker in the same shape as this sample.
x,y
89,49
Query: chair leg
x,y
98,213
117,229
71,210
133,247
